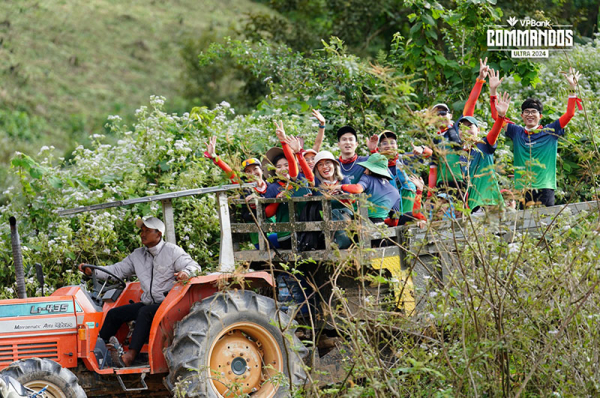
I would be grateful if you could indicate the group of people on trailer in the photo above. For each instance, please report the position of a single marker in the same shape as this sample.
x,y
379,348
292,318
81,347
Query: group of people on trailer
x,y
461,163
461,169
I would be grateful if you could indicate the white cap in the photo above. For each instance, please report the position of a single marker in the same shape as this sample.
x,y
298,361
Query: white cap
x,y
440,106
325,155
152,223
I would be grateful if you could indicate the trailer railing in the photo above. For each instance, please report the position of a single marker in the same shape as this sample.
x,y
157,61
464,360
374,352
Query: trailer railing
x,y
439,237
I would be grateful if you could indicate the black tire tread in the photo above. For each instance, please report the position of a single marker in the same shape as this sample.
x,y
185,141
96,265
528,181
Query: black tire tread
x,y
27,370
191,332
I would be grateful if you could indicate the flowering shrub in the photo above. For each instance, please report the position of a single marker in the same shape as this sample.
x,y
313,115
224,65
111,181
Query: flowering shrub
x,y
163,152
513,317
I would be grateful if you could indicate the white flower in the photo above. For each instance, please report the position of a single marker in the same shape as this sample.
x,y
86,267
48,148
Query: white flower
x,y
225,104
42,149
115,118
156,100
513,248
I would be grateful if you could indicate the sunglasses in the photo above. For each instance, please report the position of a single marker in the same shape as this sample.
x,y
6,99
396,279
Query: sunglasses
x,y
442,113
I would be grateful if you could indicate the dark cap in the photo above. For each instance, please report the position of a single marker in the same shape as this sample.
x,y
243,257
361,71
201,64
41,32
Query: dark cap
x,y
344,130
387,134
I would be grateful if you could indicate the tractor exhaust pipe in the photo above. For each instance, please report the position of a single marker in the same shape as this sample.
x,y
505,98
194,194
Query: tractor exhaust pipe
x,y
17,258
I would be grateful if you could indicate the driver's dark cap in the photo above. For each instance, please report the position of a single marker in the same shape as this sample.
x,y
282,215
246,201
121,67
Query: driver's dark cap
x,y
152,223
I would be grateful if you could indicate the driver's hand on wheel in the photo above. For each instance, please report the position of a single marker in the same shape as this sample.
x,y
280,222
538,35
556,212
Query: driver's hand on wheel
x,y
182,276
87,271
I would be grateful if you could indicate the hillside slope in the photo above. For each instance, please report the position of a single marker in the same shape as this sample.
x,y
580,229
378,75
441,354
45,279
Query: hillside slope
x,y
65,65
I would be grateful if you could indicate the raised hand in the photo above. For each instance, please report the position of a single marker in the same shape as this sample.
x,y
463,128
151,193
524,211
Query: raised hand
x,y
372,143
211,146
418,181
502,104
572,77
495,81
319,117
293,143
483,69
332,189
280,131
417,150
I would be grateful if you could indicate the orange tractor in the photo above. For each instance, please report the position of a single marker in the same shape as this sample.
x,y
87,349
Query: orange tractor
x,y
205,340
218,335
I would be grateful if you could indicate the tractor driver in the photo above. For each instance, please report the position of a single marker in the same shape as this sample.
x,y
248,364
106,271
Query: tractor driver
x,y
157,265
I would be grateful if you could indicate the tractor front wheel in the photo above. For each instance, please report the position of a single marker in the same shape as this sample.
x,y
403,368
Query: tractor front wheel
x,y
232,344
38,374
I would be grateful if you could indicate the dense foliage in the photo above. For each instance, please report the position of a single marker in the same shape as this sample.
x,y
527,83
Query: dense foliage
x,y
517,317
163,152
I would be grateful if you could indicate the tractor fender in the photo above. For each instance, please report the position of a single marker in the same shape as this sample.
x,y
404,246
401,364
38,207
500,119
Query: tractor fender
x,y
180,300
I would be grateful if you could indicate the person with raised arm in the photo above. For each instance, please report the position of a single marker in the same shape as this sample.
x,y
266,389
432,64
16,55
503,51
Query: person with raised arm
x,y
309,154
445,171
480,173
253,172
251,168
327,178
320,134
280,165
536,146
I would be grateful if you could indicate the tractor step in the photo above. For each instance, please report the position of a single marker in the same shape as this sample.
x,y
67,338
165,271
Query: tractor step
x,y
141,370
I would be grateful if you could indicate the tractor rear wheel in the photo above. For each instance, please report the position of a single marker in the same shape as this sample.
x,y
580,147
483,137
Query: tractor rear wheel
x,y
37,374
231,344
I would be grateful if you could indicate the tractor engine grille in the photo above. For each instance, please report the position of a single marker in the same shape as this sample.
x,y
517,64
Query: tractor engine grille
x,y
10,353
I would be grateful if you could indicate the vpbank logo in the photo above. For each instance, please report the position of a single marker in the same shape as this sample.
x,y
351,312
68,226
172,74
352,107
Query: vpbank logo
x,y
529,38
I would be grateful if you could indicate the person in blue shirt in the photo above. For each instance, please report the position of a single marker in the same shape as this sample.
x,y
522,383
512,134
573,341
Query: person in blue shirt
x,y
349,160
375,182
388,146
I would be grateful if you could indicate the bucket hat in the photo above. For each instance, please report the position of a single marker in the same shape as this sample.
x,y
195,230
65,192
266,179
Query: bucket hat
x,y
377,164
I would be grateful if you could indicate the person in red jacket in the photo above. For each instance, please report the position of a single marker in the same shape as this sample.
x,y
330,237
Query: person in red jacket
x,y
251,167
253,172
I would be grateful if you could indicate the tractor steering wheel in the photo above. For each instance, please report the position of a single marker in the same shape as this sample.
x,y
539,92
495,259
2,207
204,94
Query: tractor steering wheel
x,y
98,288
